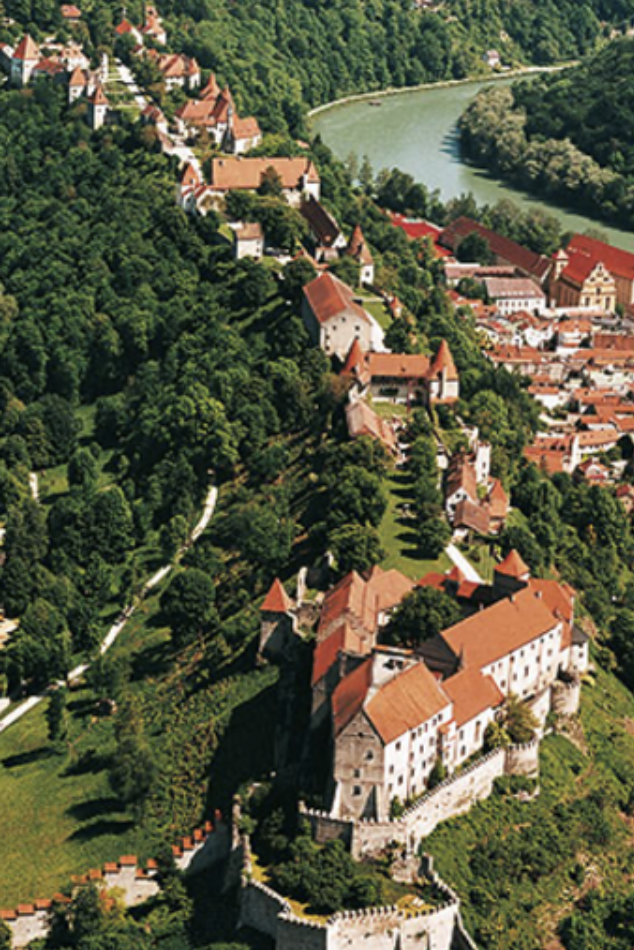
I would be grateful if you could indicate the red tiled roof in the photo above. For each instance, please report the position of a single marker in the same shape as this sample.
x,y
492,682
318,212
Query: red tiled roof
x,y
362,420
127,860
443,360
27,48
473,516
513,565
349,695
584,253
328,296
341,640
500,629
69,11
228,172
98,97
358,248
124,27
247,128
397,365
404,702
471,694
502,247
277,600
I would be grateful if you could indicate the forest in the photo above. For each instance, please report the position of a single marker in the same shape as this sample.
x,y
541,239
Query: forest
x,y
567,136
273,54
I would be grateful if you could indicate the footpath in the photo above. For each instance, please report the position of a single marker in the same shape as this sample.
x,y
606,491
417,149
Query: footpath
x,y
124,617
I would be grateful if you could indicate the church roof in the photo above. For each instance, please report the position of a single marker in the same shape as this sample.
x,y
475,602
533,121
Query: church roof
x,y
277,600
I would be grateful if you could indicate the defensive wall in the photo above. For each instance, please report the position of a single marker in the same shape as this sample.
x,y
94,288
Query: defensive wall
x,y
376,928
133,882
453,797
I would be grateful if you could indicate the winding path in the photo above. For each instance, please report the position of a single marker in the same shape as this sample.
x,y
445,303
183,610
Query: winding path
x,y
122,620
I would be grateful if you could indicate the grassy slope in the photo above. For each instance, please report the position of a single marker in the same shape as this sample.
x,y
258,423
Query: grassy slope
x,y
398,539
511,903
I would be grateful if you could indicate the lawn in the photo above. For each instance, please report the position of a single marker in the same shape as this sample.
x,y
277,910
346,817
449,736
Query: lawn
x,y
58,814
398,539
380,313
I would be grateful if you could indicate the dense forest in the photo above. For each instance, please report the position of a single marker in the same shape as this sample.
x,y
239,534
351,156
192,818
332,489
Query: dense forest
x,y
567,136
273,54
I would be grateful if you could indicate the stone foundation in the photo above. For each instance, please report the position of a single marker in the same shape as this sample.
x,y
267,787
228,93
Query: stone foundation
x,y
566,697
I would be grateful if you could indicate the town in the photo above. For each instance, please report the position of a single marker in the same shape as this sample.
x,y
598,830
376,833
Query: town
x,y
404,700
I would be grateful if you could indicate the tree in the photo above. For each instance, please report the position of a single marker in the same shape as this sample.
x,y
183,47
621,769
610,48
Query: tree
x,y
438,774
83,470
271,183
355,547
519,721
172,536
297,274
476,248
132,769
434,535
421,615
57,716
188,604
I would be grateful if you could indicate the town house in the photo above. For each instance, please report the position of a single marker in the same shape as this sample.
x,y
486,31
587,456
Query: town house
x,y
333,317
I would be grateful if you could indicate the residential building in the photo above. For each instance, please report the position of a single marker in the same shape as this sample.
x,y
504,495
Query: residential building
x,y
177,69
248,240
399,377
215,114
298,177
444,382
333,317
327,237
98,106
514,294
362,420
24,60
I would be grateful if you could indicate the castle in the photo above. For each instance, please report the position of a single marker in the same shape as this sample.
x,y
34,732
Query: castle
x,y
394,713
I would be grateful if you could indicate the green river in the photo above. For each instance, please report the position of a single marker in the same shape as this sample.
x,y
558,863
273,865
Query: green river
x,y
417,132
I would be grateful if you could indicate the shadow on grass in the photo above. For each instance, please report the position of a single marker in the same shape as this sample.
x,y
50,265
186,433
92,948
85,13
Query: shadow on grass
x,y
86,811
152,661
246,750
27,758
101,828
88,762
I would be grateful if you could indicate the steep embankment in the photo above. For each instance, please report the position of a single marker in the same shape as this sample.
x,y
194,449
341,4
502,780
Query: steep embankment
x,y
555,871
568,136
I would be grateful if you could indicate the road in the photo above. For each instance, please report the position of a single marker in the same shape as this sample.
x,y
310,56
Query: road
x,y
124,617
461,562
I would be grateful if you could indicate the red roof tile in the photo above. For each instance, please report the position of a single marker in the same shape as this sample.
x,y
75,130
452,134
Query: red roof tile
x,y
513,565
404,702
277,600
27,49
443,361
349,696
328,296
471,694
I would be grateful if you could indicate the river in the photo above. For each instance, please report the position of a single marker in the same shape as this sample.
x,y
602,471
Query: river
x,y
417,132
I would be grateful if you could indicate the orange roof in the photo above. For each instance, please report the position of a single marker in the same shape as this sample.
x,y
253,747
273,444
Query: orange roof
x,y
197,112
443,361
404,702
190,176
358,248
433,579
127,860
471,694
212,89
124,27
277,600
389,587
506,626
98,97
362,420
77,77
513,565
8,915
247,128
551,460
560,600
349,695
398,365
498,500
584,253
27,48
461,475
328,296
351,595
69,11
229,173
597,438
341,640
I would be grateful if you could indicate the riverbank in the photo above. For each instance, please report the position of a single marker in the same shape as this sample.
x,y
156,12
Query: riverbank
x,y
445,84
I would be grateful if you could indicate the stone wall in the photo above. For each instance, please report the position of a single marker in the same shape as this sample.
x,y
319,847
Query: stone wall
x,y
453,797
566,697
136,883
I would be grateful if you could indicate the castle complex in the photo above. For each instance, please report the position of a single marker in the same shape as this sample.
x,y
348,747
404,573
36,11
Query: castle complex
x,y
394,713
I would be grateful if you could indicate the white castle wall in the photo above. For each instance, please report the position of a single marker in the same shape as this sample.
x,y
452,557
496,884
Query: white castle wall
x,y
453,797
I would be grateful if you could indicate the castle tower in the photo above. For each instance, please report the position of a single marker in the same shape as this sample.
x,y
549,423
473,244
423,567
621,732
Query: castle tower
x,y
512,575
25,59
98,106
444,385
358,249
276,622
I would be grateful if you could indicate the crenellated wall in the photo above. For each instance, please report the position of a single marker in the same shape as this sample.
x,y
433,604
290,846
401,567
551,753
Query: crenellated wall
x,y
453,797
136,883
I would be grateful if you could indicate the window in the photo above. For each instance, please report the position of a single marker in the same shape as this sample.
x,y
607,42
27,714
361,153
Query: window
x,y
400,780
526,670
390,788
357,773
421,749
391,770
432,742
461,735
463,751
356,791
514,677
398,746
369,756
478,728
411,756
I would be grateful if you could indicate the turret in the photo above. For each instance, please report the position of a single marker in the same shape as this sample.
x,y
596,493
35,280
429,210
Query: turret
x,y
512,575
276,622
98,106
